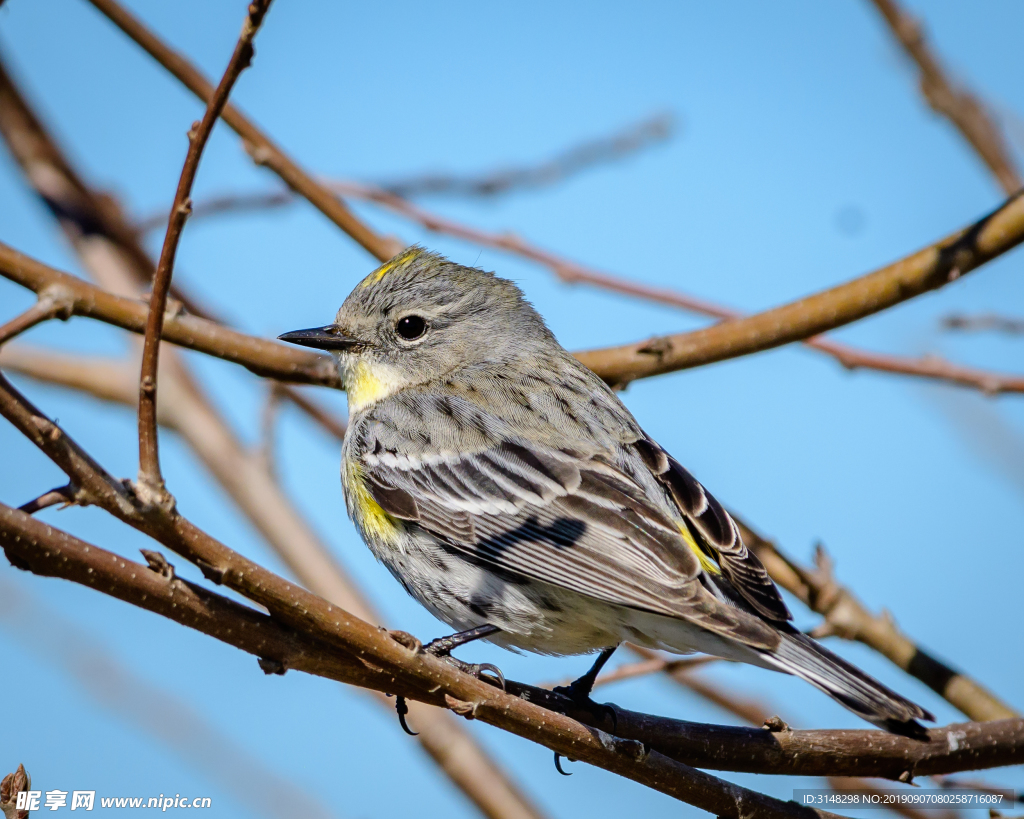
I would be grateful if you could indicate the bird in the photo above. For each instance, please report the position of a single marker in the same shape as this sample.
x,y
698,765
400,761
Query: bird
x,y
510,491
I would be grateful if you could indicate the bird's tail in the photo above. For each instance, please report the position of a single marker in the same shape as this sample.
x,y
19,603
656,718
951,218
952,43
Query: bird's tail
x,y
803,657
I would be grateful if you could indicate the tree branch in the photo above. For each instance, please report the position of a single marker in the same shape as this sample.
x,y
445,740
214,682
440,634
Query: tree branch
x,y
565,164
572,272
151,481
110,251
262,150
845,616
928,269
52,303
984,321
260,355
527,711
49,552
963,109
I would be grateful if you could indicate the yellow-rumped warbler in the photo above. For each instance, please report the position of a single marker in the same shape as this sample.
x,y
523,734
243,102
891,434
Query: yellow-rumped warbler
x,y
509,490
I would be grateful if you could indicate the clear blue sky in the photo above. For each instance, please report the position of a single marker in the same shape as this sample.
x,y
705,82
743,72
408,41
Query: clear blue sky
x,y
792,117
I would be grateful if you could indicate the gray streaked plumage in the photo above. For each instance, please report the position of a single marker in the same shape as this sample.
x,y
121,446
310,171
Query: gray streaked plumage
x,y
503,483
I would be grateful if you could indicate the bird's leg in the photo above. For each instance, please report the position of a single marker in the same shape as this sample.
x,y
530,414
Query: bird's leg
x,y
579,690
442,647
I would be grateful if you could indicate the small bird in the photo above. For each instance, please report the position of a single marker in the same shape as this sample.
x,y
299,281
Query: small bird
x,y
511,492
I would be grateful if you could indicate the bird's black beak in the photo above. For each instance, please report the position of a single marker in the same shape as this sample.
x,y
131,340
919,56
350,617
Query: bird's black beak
x,y
328,337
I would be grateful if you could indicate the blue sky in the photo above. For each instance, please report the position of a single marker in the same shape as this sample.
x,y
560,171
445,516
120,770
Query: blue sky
x,y
791,117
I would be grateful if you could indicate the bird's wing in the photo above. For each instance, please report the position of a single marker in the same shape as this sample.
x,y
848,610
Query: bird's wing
x,y
715,532
557,517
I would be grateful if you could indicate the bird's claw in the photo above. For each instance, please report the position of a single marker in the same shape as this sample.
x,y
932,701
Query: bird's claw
x,y
402,707
558,765
477,670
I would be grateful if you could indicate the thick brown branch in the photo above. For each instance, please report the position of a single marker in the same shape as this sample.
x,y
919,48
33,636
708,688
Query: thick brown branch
x,y
260,147
262,356
927,269
150,479
962,108
44,550
845,616
41,548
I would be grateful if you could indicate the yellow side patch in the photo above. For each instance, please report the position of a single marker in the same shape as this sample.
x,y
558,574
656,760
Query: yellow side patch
x,y
371,517
706,563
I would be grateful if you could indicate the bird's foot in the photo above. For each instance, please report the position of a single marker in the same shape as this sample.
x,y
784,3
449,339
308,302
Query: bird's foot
x,y
579,692
443,646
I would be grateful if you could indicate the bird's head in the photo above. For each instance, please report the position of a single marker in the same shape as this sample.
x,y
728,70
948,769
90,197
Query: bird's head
x,y
419,317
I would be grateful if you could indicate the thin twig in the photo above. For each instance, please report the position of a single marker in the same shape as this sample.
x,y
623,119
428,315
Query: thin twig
x,y
549,172
652,665
53,302
262,150
64,494
968,114
845,616
150,479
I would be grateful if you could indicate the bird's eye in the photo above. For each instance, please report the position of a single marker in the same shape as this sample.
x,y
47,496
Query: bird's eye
x,y
411,327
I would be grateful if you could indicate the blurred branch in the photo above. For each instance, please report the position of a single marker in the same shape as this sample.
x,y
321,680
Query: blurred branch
x,y
968,114
81,212
155,711
680,672
846,617
332,423
984,321
628,141
565,164
262,150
